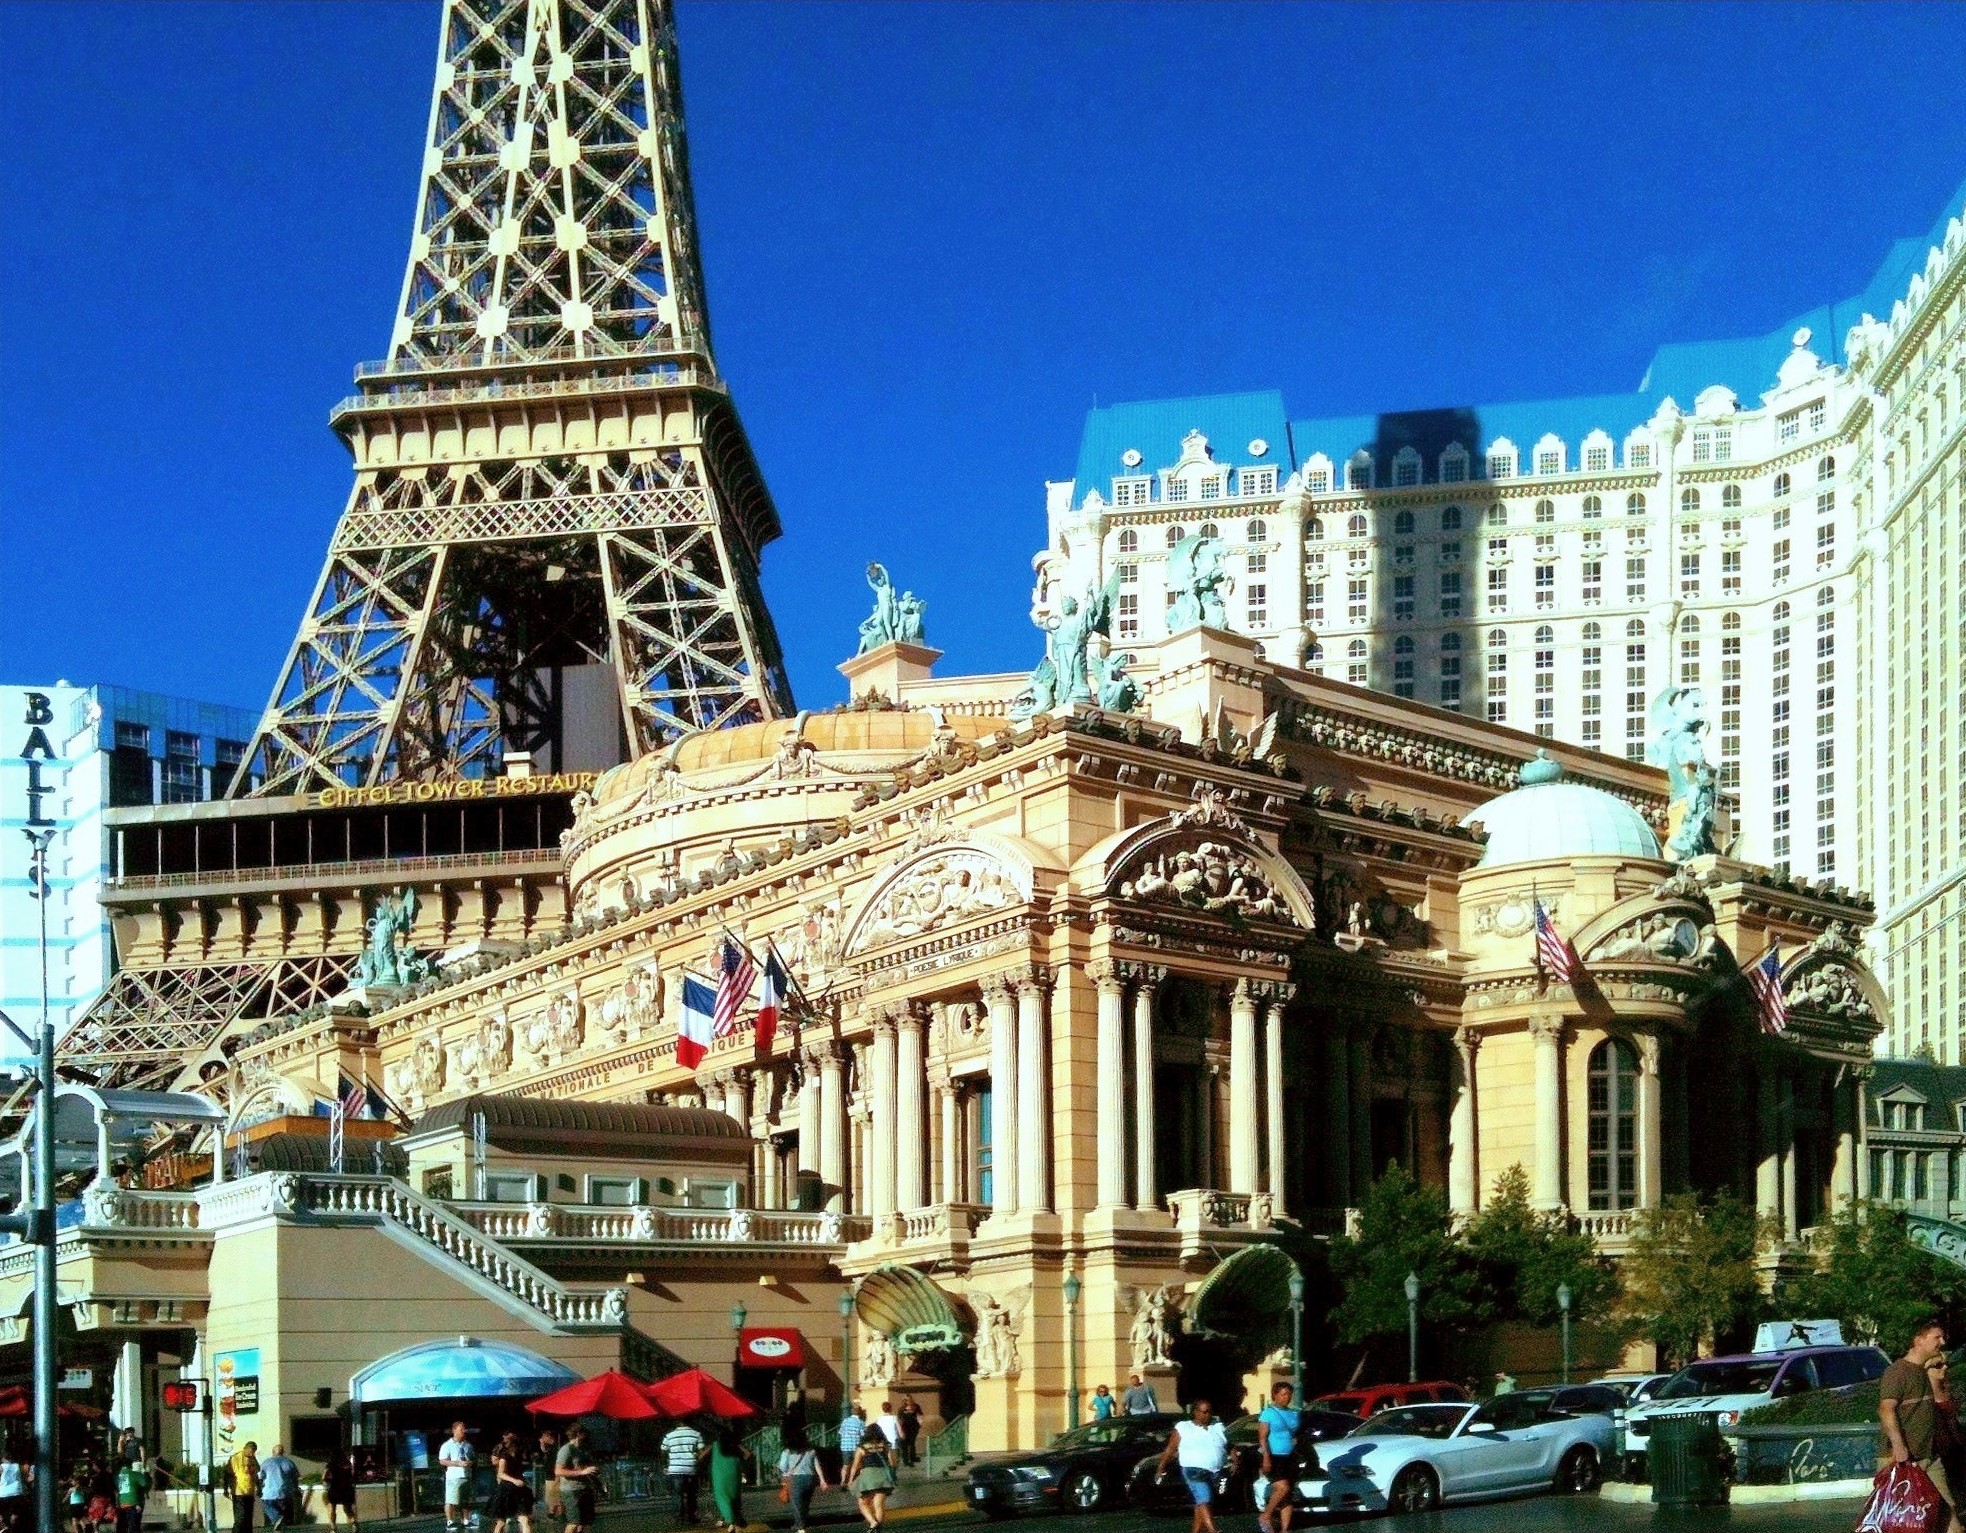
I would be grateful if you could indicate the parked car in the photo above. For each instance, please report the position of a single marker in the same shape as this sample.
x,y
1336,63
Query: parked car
x,y
1730,1385
1371,1399
1637,1388
1414,1458
1234,1487
1084,1470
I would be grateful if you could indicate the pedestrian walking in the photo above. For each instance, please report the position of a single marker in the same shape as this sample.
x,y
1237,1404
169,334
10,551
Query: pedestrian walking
x,y
682,1447
890,1425
243,1468
511,1497
78,1500
726,1458
1908,1411
1279,1425
1201,1446
543,1477
279,1478
338,1489
129,1447
1103,1403
102,1495
910,1417
576,1470
800,1474
132,1486
456,1457
1951,1436
1139,1399
853,1426
13,1490
871,1474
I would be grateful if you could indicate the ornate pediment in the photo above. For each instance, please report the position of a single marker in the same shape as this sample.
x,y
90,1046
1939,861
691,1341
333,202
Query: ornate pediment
x,y
1684,937
939,887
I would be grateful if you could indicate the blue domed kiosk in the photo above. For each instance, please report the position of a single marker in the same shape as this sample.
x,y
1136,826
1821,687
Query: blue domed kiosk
x,y
1547,819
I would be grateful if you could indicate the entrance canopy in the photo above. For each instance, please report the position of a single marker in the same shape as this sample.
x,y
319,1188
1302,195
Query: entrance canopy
x,y
464,1369
1246,1298
910,1310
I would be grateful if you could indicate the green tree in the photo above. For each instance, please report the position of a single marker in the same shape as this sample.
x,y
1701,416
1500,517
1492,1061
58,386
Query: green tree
x,y
1403,1228
1522,1255
1690,1276
1869,1276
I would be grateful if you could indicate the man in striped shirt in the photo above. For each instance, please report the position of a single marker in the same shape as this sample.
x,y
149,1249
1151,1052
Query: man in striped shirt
x,y
682,1447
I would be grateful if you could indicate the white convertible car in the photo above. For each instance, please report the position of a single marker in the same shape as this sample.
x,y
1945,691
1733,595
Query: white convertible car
x,y
1416,1457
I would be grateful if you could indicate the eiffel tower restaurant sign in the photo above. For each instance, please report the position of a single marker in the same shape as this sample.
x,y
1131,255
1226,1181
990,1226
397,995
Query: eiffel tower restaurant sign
x,y
545,783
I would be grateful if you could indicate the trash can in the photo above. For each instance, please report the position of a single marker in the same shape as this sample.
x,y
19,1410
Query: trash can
x,y
1685,1454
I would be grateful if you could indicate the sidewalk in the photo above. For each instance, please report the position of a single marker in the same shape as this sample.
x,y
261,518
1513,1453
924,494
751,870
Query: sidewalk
x,y
913,1501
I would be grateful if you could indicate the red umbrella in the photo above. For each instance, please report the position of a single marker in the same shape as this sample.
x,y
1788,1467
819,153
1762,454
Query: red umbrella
x,y
695,1393
14,1402
609,1394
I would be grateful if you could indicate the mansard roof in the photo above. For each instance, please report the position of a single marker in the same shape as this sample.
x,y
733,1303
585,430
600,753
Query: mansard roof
x,y
539,1125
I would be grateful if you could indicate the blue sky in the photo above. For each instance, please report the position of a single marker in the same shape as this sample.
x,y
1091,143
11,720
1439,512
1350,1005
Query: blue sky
x,y
935,235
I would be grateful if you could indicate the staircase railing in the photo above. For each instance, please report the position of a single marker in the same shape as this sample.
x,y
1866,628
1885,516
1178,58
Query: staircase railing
x,y
950,1445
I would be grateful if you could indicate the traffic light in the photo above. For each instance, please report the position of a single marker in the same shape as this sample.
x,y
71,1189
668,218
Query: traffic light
x,y
182,1396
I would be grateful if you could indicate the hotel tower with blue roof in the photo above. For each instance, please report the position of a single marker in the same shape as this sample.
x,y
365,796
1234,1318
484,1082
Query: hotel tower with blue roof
x,y
1775,520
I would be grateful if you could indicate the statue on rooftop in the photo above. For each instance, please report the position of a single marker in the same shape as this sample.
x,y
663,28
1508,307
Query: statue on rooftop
x,y
388,958
1679,719
1198,582
1075,668
897,616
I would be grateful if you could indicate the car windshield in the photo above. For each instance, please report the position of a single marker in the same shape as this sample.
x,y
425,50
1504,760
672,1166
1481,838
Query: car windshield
x,y
1095,1434
1413,1421
1725,1376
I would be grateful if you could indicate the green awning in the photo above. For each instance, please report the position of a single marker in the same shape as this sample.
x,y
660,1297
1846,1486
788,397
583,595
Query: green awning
x,y
910,1310
1246,1297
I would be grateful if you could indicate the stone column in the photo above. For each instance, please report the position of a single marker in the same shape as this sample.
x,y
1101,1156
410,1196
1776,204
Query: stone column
x,y
1860,1150
1791,1162
809,1111
1651,1141
765,1154
953,1190
1338,1113
1245,1090
1146,1194
1547,1188
1360,1051
1111,1078
1768,1168
1033,1105
911,1147
1002,1003
832,1127
1843,1123
1273,1097
1463,1163
882,1119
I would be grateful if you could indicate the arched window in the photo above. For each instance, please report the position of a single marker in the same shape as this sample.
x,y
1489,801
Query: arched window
x,y
1593,507
1689,500
1209,530
1258,533
1781,612
1635,629
1730,497
1545,510
1689,624
1498,515
1313,530
1635,503
1175,534
1403,523
1450,644
1313,652
1545,635
1356,649
1450,519
1825,469
1129,541
1731,623
1355,526
1498,638
1403,645
1781,485
1592,633
1613,1126
1826,597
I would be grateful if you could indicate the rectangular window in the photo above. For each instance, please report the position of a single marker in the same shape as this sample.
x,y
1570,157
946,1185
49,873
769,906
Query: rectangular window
x,y
1257,481
1177,489
1818,413
1634,580
1406,471
1355,600
1593,580
1638,455
1211,487
1730,570
1318,480
1450,553
1723,444
1498,590
1702,446
1689,574
1781,558
1548,462
1597,459
1593,733
1257,563
1259,601
1500,465
1450,692
1132,492
1402,597
1545,585
510,1186
1129,613
1788,427
180,768
1498,711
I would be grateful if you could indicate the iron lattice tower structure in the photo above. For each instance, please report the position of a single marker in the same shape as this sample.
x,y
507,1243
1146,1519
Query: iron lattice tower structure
x,y
552,545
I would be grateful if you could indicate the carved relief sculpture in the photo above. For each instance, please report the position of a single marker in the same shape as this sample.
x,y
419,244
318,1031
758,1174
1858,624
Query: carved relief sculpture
x,y
942,888
1212,877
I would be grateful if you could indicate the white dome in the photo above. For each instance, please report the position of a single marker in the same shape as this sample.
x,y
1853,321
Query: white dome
x,y
1547,820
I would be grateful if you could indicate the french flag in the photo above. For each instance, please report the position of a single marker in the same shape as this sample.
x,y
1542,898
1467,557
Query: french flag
x,y
771,999
699,1024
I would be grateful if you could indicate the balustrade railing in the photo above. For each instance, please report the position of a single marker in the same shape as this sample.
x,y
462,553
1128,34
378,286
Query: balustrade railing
x,y
1606,1226
135,1208
577,1223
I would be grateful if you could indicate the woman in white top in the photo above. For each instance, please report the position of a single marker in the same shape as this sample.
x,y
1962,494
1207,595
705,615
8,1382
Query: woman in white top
x,y
1202,1446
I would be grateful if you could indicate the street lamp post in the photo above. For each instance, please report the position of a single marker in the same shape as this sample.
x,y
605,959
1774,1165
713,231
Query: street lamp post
x,y
1297,1339
1412,1327
1563,1304
738,1315
1073,1288
846,1352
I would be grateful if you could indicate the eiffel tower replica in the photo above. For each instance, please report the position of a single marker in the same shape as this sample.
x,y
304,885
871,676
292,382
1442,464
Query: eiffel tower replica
x,y
548,564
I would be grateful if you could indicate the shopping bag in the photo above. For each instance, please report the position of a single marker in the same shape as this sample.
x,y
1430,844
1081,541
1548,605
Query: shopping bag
x,y
1904,1501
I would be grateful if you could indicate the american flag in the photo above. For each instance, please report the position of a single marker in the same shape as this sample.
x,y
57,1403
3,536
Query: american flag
x,y
1553,955
1765,983
354,1098
735,972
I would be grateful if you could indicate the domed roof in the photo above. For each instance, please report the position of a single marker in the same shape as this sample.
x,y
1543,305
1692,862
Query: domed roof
x,y
1548,819
467,1368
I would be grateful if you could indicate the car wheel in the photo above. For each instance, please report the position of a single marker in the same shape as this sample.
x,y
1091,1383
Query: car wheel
x,y
1085,1492
1414,1490
1579,1472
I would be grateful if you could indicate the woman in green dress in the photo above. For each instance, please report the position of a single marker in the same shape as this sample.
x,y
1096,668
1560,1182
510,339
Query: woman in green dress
x,y
871,1474
727,1456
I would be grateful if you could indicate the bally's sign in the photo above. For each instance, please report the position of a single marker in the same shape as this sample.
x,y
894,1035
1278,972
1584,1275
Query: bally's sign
x,y
37,753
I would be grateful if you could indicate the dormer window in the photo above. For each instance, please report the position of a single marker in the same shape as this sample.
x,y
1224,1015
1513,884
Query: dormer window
x,y
1211,486
1406,467
1177,489
1549,456
1358,472
1135,491
1257,481
1501,464
1454,464
1638,455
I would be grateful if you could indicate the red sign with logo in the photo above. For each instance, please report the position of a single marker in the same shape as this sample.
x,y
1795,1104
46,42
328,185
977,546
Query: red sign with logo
x,y
770,1347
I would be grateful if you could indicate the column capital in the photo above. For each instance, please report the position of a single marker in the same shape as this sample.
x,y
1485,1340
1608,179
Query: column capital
x,y
823,1056
1031,977
1108,976
1467,1042
1548,1030
1276,993
1000,986
1650,1052
1147,976
886,1024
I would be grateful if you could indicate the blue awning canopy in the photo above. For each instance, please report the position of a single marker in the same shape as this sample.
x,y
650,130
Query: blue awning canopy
x,y
466,1368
